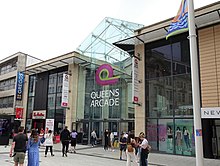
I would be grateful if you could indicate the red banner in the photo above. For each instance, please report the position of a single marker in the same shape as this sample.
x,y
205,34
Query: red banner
x,y
19,113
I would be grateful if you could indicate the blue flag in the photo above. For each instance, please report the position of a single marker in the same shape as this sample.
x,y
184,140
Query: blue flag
x,y
180,22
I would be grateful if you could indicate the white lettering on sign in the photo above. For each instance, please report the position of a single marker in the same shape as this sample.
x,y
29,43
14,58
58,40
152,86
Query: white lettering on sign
x,y
105,98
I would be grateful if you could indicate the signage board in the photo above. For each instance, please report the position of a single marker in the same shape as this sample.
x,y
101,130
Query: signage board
x,y
135,81
49,124
19,85
104,75
39,114
210,112
19,112
65,90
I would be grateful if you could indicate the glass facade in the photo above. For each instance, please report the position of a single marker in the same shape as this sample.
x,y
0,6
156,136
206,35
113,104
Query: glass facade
x,y
30,103
169,96
110,106
104,107
54,108
53,105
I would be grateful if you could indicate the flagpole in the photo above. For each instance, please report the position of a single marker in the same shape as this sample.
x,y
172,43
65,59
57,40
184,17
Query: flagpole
x,y
195,85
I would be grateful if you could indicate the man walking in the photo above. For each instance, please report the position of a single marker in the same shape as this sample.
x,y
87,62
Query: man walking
x,y
65,139
19,147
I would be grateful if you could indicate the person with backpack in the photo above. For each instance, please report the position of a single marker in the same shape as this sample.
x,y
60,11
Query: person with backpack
x,y
131,143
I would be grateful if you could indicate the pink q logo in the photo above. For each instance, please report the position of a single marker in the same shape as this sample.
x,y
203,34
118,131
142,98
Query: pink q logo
x,y
108,79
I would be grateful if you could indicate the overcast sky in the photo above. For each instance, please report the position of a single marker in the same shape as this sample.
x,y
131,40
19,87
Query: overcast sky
x,y
49,28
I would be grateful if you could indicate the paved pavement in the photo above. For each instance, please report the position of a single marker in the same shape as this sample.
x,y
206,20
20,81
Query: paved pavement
x,y
96,156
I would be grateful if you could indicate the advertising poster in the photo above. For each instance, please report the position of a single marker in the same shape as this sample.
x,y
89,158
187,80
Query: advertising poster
x,y
135,80
49,124
65,90
19,112
19,85
184,137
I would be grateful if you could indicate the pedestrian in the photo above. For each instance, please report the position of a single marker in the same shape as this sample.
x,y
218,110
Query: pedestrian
x,y
93,138
49,142
73,137
106,139
19,147
122,145
131,144
112,138
33,149
41,136
65,139
144,150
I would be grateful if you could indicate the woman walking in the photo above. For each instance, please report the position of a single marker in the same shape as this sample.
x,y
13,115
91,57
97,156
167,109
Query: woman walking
x,y
73,137
106,137
131,144
33,149
49,142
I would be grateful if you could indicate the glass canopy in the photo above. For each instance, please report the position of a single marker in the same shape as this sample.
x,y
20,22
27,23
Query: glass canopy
x,y
99,44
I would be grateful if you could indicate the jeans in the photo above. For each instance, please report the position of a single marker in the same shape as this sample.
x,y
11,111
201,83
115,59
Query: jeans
x,y
143,158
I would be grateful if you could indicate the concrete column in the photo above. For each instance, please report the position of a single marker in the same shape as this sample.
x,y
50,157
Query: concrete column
x,y
72,98
140,110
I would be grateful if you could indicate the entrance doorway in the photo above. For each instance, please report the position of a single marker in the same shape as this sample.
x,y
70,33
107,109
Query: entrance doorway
x,y
216,140
38,124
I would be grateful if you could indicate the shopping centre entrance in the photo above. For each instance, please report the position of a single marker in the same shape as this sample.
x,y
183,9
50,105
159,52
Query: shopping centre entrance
x,y
84,129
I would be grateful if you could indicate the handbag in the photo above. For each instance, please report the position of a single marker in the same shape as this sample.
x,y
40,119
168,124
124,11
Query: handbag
x,y
42,140
148,148
130,148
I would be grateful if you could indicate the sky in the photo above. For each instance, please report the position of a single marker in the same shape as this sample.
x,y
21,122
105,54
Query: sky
x,y
50,28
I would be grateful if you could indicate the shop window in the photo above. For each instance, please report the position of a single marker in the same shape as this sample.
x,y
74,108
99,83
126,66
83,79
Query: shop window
x,y
166,135
184,137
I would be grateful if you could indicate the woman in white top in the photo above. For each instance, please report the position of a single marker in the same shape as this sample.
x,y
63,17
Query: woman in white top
x,y
49,142
112,137
144,150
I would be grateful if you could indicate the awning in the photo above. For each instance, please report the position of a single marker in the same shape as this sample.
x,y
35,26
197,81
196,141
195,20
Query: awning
x,y
67,59
63,60
204,16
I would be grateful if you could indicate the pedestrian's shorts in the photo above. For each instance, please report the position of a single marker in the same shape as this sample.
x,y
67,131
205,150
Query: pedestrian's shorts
x,y
19,157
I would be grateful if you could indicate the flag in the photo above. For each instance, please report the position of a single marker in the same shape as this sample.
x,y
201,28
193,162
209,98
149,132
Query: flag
x,y
180,22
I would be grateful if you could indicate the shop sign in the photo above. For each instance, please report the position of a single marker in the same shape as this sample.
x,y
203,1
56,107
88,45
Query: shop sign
x,y
19,85
65,90
49,124
135,81
39,115
105,98
19,112
210,112
104,75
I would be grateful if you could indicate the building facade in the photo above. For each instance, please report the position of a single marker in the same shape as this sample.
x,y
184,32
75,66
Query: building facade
x,y
166,110
11,90
98,90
